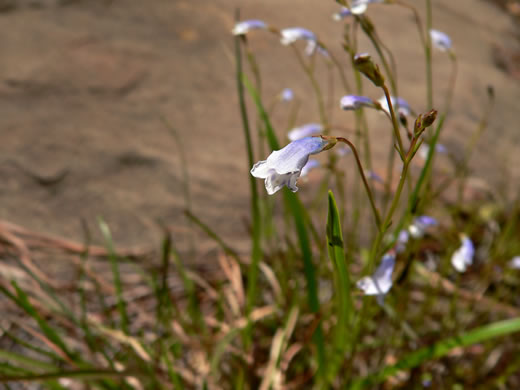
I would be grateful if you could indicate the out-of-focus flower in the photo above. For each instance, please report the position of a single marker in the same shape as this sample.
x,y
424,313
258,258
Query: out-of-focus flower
x,y
425,149
515,262
399,104
357,7
305,131
245,26
292,34
381,281
402,239
371,175
311,164
353,102
440,40
420,224
343,151
462,258
284,166
287,95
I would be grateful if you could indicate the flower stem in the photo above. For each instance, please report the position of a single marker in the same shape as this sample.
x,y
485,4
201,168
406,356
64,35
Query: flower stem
x,y
395,123
428,56
365,182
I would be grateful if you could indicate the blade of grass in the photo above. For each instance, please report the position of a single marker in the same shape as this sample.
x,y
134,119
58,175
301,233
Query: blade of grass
x,y
440,349
256,252
344,305
121,304
295,207
73,374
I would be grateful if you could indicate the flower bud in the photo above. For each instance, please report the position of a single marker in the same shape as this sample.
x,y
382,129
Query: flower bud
x,y
365,65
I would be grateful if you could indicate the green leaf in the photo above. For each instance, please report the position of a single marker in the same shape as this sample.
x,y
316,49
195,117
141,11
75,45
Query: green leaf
x,y
440,349
344,304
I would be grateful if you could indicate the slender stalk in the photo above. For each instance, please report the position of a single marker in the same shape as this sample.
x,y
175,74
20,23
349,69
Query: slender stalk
x,y
395,123
428,56
365,182
314,83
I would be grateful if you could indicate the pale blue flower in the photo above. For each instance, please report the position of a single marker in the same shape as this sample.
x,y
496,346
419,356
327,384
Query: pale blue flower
x,y
311,164
402,239
420,224
287,95
245,26
305,131
353,102
425,149
292,34
357,7
381,281
371,175
440,40
515,262
400,105
342,151
283,167
314,47
462,258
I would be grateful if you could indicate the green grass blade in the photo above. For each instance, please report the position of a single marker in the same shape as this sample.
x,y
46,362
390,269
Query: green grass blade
x,y
22,300
81,375
440,349
295,207
256,252
121,304
25,361
344,305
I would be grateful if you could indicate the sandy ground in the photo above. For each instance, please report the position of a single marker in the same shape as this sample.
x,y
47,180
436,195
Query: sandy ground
x,y
84,85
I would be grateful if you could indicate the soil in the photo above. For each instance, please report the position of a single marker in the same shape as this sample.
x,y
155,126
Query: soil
x,y
87,86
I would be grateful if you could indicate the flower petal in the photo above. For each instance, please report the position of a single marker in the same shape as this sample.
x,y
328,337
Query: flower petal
x,y
245,26
304,131
440,40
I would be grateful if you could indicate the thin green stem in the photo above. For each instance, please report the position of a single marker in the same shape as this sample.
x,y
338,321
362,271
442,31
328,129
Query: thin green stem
x,y
395,123
428,56
365,182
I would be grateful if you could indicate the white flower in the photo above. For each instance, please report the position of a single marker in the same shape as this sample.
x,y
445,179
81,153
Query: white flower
x,y
381,281
402,240
287,95
357,7
400,105
420,224
311,164
244,27
292,34
353,102
313,47
425,149
284,166
440,40
515,262
463,257
304,131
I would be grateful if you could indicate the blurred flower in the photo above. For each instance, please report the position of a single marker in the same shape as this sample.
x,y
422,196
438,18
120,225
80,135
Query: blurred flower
x,y
463,257
371,175
425,149
402,239
357,7
342,151
515,262
311,164
244,27
284,166
304,131
420,224
440,40
287,95
292,34
313,47
381,281
353,102
399,104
